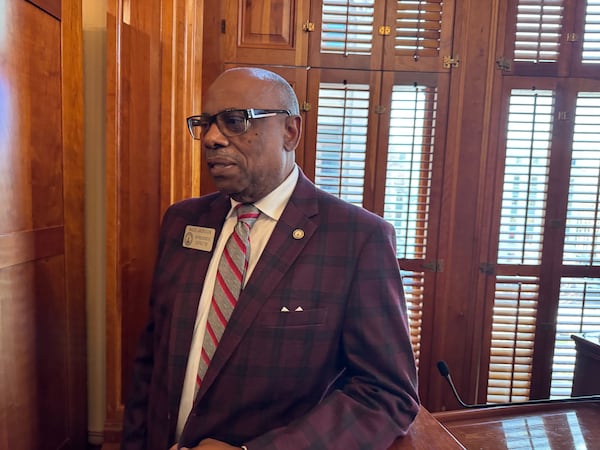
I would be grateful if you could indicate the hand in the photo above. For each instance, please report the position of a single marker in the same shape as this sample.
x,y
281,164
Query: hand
x,y
208,444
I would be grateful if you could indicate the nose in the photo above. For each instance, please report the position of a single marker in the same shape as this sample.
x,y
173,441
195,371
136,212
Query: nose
x,y
213,138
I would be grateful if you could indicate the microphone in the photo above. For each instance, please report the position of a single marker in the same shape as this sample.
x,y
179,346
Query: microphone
x,y
445,372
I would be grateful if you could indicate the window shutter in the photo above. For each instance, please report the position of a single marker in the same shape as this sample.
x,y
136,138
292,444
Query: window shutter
x,y
341,140
591,37
347,27
538,30
513,332
578,312
528,140
579,301
414,283
525,176
409,167
582,233
418,27
408,187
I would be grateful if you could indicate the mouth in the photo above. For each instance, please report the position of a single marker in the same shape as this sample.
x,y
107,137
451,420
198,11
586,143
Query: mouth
x,y
220,167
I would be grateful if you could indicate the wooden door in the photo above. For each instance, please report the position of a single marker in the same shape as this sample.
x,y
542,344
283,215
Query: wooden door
x,y
42,303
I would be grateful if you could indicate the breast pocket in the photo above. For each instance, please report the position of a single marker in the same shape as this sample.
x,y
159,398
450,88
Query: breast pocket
x,y
293,317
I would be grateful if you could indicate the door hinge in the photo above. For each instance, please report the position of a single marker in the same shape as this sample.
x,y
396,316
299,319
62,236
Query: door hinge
x,y
503,64
487,268
437,265
384,30
450,62
308,26
305,107
572,37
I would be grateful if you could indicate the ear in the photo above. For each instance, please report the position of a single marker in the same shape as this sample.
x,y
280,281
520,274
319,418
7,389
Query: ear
x,y
293,130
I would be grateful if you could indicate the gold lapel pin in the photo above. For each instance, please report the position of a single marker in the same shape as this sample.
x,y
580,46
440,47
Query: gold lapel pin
x,y
298,233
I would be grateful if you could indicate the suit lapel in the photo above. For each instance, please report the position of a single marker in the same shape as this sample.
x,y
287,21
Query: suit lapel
x,y
186,300
292,232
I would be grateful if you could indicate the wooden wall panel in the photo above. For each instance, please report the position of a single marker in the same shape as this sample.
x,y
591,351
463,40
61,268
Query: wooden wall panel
x,y
133,186
42,304
153,83
266,31
50,6
267,24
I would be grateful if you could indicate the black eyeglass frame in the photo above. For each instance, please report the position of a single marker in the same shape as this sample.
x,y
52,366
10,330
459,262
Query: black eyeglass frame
x,y
251,113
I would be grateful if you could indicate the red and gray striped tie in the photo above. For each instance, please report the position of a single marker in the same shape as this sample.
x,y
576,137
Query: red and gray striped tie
x,y
228,284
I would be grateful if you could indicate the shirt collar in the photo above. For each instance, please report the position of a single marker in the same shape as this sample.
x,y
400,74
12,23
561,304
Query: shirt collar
x,y
273,204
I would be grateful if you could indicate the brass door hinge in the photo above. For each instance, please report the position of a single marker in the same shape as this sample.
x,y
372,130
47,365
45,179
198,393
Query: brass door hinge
x,y
305,107
434,266
308,26
384,30
572,37
450,62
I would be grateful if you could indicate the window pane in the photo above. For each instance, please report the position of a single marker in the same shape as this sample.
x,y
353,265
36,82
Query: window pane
x,y
342,140
538,30
347,27
525,176
582,233
578,312
513,332
409,166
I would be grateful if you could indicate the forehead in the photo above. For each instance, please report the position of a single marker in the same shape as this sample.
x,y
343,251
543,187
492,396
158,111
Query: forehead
x,y
237,90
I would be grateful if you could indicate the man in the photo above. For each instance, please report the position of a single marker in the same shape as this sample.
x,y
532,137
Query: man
x,y
316,352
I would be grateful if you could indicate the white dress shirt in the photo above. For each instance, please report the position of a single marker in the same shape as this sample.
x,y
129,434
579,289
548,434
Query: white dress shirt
x,y
271,207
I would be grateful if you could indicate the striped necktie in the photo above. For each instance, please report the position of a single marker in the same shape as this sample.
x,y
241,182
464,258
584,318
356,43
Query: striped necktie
x,y
228,284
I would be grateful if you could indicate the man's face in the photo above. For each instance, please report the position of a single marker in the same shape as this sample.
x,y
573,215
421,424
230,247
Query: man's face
x,y
251,165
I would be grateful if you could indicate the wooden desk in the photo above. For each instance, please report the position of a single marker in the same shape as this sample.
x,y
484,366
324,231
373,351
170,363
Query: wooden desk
x,y
586,379
426,433
558,426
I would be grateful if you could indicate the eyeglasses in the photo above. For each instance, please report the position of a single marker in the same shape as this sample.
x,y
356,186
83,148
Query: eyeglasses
x,y
231,122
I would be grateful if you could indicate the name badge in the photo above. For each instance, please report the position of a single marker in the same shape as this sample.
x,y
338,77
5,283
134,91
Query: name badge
x,y
199,238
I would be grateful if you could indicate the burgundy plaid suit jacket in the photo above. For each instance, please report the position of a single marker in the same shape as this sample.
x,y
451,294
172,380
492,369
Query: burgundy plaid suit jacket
x,y
339,374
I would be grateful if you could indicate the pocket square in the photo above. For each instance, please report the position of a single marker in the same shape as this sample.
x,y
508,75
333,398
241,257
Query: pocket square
x,y
286,309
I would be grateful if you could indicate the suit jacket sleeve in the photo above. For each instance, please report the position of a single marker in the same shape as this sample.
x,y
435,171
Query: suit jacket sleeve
x,y
375,400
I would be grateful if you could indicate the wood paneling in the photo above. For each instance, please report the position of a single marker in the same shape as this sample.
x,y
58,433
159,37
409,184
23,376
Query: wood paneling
x,y
50,6
133,184
31,245
42,304
265,31
154,76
